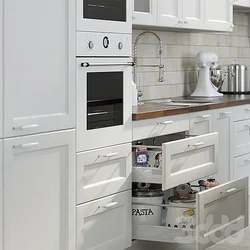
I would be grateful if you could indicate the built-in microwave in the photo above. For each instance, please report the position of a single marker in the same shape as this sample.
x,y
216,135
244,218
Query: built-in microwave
x,y
104,102
114,16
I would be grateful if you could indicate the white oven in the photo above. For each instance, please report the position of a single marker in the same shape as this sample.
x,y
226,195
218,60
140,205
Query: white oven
x,y
104,104
113,16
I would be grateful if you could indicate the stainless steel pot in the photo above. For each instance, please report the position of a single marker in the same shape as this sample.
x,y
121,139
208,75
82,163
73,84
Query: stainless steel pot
x,y
235,79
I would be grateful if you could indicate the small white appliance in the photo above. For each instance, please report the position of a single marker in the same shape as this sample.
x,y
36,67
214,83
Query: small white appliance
x,y
206,61
112,16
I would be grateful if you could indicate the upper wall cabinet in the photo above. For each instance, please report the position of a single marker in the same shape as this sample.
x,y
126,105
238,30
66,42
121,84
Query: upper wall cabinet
x,y
145,12
1,72
39,66
190,14
242,3
219,15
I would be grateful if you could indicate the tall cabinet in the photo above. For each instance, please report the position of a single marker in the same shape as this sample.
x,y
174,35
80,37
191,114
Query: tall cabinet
x,y
37,150
39,63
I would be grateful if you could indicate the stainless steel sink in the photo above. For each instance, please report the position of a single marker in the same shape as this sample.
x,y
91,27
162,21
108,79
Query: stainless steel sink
x,y
183,102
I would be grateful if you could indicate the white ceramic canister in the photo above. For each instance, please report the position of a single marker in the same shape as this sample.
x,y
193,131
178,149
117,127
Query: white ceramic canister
x,y
181,215
147,213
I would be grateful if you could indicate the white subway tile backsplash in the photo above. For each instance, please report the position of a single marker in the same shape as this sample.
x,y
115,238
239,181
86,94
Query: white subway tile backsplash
x,y
180,49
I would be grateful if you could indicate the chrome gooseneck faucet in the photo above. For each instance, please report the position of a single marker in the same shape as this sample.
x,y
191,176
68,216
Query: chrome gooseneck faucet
x,y
160,66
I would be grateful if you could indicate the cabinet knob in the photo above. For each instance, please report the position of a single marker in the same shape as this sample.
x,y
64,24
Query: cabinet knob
x,y
185,22
232,26
90,44
120,45
134,16
180,21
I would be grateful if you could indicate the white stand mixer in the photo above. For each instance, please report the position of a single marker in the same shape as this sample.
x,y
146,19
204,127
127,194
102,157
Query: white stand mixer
x,y
205,88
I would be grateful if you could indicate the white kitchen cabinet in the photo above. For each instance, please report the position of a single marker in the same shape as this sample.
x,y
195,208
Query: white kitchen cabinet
x,y
223,124
1,71
241,138
39,192
105,224
219,15
219,212
182,161
39,66
1,195
242,167
201,123
242,3
193,14
103,172
169,13
145,12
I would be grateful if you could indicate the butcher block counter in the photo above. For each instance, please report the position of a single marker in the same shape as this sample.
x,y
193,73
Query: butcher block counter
x,y
161,107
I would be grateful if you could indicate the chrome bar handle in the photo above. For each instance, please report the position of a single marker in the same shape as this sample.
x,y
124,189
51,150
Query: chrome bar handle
x,y
25,127
87,64
27,145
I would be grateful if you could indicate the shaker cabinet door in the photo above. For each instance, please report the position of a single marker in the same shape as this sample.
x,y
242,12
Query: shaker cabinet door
x,y
39,192
193,14
169,13
219,15
223,124
39,66
1,71
145,12
1,195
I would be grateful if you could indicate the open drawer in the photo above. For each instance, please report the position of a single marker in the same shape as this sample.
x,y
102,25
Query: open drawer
x,y
219,212
183,161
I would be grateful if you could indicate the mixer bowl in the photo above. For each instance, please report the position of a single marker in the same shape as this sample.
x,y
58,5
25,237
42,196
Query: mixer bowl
x,y
217,77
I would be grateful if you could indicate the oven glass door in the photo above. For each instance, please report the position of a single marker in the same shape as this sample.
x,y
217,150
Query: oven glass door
x,y
112,10
104,102
104,16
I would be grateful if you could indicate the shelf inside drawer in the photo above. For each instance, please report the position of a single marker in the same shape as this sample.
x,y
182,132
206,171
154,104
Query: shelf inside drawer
x,y
147,175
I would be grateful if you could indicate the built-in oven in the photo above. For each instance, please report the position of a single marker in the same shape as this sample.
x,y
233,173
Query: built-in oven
x,y
104,103
104,16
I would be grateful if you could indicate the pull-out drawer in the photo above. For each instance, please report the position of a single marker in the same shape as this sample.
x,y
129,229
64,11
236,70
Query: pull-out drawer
x,y
241,138
182,161
105,223
219,212
242,112
103,172
241,167
160,126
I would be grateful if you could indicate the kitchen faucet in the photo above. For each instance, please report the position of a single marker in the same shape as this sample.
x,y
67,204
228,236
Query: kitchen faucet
x,y
160,66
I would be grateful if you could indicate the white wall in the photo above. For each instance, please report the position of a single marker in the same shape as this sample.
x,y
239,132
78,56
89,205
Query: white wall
x,y
180,49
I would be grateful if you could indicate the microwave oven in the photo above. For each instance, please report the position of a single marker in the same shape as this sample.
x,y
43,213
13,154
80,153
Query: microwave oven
x,y
113,16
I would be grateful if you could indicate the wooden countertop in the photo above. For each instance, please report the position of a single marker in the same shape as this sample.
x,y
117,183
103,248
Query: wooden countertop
x,y
149,110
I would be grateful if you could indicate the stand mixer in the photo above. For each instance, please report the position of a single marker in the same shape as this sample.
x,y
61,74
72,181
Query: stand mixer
x,y
206,61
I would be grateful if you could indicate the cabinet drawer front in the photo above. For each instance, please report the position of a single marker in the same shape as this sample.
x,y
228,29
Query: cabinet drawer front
x,y
105,223
200,123
241,137
160,126
189,159
103,172
242,112
221,211
241,167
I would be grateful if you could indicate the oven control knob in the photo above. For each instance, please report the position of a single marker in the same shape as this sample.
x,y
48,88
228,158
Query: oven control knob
x,y
91,44
120,45
105,42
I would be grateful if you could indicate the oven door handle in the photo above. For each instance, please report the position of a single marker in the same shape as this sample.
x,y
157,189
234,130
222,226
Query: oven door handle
x,y
87,64
98,113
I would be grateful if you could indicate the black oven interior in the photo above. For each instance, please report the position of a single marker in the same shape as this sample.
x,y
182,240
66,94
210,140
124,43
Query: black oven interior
x,y
111,10
104,99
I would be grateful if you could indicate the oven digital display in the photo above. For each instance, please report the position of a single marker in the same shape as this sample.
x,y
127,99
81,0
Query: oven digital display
x,y
110,10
